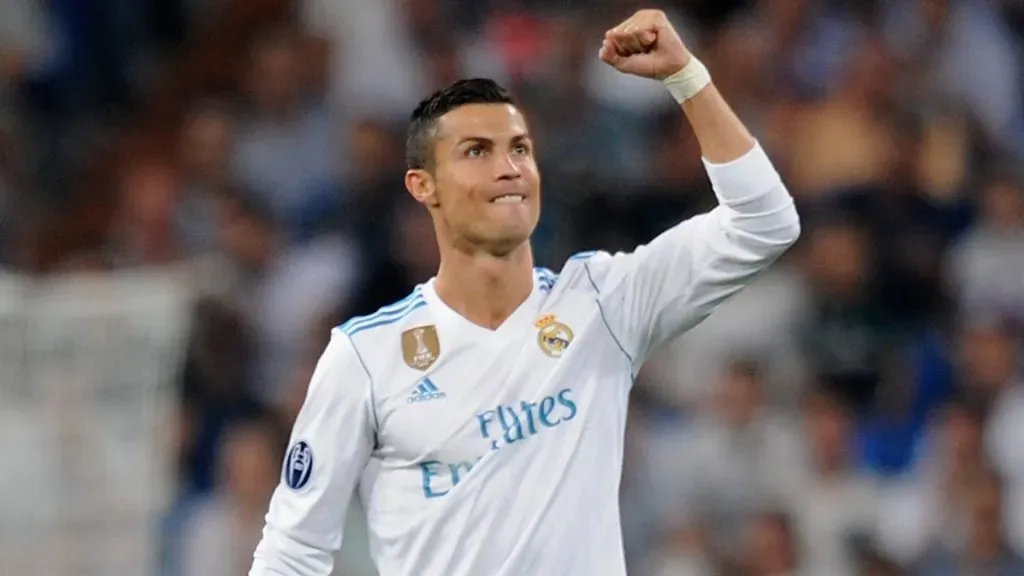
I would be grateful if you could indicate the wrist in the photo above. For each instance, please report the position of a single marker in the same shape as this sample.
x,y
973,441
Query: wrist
x,y
688,81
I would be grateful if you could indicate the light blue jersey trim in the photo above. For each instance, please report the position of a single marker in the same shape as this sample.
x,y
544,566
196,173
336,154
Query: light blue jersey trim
x,y
387,315
546,278
583,255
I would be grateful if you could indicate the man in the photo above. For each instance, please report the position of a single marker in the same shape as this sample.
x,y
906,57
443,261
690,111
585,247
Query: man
x,y
482,417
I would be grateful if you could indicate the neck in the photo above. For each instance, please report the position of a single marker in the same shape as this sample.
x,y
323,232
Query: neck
x,y
485,289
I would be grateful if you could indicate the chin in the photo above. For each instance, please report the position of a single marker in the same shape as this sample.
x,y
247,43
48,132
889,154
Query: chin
x,y
507,241
506,246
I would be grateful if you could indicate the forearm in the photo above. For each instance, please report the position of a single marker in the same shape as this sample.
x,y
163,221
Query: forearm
x,y
744,179
720,133
673,282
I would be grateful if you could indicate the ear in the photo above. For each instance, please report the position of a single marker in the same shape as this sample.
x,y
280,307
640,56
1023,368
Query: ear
x,y
421,186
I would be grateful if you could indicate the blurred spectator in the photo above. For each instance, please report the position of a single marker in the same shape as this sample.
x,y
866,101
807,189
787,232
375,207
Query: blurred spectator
x,y
873,563
848,139
984,549
846,335
986,265
770,546
373,185
836,504
959,51
27,51
929,506
205,149
285,143
1001,352
741,458
572,128
215,391
26,45
18,211
988,361
143,232
223,529
918,210
804,45
23,39
411,258
375,68
281,288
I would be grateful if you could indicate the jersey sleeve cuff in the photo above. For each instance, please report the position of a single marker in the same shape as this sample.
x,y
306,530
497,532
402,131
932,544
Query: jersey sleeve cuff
x,y
744,179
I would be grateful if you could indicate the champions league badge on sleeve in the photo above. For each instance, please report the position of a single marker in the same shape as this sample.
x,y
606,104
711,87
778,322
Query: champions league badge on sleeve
x,y
298,466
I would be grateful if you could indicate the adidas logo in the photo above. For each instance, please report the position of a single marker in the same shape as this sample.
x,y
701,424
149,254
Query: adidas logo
x,y
425,391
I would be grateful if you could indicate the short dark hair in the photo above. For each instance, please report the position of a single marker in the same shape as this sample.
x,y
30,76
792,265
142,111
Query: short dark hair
x,y
419,144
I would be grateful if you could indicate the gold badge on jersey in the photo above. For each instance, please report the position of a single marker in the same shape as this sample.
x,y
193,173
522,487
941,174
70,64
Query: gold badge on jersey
x,y
553,337
420,347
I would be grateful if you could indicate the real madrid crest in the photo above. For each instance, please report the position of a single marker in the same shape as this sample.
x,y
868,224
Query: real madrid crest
x,y
420,347
553,337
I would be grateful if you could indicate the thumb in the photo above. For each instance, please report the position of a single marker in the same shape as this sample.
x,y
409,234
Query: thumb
x,y
648,37
609,54
638,64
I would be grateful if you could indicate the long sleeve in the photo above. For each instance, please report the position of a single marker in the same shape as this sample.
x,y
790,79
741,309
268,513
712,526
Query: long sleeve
x,y
330,445
669,285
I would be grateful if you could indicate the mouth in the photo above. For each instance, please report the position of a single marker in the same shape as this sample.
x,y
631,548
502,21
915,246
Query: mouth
x,y
509,199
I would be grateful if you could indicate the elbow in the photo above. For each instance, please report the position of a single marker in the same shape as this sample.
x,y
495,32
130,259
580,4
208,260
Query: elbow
x,y
774,234
791,232
769,220
278,553
786,235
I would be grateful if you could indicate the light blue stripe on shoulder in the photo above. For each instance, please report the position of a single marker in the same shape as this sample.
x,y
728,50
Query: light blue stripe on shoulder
x,y
383,311
583,255
546,278
546,275
386,314
384,321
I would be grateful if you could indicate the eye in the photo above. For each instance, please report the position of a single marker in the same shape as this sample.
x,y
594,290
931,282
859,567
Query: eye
x,y
521,148
476,151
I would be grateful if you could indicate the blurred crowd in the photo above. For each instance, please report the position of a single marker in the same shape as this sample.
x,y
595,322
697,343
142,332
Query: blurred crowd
x,y
859,410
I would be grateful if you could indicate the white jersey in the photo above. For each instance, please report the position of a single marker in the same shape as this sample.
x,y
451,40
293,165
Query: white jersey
x,y
483,452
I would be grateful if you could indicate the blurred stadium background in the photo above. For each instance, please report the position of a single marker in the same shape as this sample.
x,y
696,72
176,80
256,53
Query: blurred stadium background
x,y
192,192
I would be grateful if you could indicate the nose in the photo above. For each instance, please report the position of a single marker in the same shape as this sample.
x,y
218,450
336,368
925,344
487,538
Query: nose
x,y
507,168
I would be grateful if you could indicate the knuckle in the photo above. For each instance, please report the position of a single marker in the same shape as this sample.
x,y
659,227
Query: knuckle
x,y
657,17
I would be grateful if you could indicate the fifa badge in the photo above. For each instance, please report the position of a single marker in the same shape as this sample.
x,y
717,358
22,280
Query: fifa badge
x,y
420,347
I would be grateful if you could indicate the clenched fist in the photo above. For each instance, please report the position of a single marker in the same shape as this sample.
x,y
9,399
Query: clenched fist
x,y
646,45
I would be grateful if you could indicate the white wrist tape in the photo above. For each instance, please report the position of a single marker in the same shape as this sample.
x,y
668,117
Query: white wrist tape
x,y
688,81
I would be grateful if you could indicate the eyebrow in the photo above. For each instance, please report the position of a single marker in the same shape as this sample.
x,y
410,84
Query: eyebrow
x,y
484,140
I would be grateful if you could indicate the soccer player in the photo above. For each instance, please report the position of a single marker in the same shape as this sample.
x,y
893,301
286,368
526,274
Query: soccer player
x,y
482,417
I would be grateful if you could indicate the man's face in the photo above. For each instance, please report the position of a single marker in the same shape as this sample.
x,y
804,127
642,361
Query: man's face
x,y
206,143
486,184
274,82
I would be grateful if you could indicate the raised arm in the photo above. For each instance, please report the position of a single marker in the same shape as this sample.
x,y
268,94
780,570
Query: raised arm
x,y
330,445
670,284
